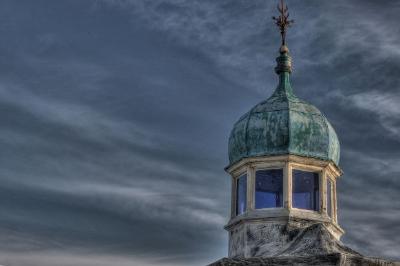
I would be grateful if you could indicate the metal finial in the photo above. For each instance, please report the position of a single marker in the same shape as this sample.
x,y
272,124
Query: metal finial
x,y
283,21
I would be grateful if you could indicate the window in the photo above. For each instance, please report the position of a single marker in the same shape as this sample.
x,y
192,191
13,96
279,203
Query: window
x,y
269,189
305,187
241,194
329,197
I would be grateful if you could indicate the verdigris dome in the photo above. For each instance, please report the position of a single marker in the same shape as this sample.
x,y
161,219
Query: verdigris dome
x,y
284,124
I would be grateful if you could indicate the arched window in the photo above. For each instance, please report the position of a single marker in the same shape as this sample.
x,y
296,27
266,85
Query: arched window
x,y
269,189
305,190
241,194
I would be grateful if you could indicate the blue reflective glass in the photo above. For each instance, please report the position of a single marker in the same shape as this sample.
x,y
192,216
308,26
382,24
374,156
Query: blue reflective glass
x,y
329,197
241,194
305,190
269,188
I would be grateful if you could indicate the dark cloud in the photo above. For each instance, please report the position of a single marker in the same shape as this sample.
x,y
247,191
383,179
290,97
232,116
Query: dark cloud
x,y
115,116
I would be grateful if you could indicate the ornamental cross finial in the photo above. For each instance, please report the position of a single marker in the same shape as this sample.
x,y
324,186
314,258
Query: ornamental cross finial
x,y
283,21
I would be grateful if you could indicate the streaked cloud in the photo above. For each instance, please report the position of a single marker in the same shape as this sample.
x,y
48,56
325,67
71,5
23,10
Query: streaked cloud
x,y
115,116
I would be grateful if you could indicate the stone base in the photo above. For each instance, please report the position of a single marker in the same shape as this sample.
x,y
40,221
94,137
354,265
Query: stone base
x,y
317,260
289,238
296,245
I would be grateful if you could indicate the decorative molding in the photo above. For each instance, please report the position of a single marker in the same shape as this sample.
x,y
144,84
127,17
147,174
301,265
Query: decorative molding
x,y
334,170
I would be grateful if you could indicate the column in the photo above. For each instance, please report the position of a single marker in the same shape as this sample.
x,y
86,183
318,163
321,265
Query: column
x,y
233,197
334,215
287,186
323,192
250,188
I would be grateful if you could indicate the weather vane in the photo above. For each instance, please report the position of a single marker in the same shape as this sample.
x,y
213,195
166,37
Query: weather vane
x,y
283,21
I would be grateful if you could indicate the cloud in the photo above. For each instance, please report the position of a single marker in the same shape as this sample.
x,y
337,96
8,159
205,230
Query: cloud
x,y
83,259
384,104
115,116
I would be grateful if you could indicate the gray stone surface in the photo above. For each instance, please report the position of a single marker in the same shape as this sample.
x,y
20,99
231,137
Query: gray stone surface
x,y
283,239
335,259
277,244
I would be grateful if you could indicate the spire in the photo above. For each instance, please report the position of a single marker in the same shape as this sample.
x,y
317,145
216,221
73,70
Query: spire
x,y
284,61
283,21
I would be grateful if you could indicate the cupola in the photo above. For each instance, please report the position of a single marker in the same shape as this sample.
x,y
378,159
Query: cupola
x,y
284,164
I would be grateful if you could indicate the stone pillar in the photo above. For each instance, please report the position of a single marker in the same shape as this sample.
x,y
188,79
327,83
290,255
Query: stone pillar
x,y
233,197
323,192
334,215
287,186
250,188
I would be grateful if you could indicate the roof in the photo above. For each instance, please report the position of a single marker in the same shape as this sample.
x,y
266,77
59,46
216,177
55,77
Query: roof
x,y
313,245
284,124
334,259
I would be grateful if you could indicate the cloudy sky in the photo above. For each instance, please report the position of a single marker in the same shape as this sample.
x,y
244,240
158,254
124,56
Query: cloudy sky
x,y
115,117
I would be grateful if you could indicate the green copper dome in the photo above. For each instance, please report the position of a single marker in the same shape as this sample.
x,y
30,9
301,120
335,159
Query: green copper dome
x,y
283,124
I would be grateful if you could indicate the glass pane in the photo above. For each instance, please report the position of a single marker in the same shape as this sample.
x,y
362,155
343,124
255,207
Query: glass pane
x,y
269,188
241,194
305,190
329,197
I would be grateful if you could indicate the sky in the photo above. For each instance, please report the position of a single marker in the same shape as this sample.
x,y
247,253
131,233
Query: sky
x,y
115,117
